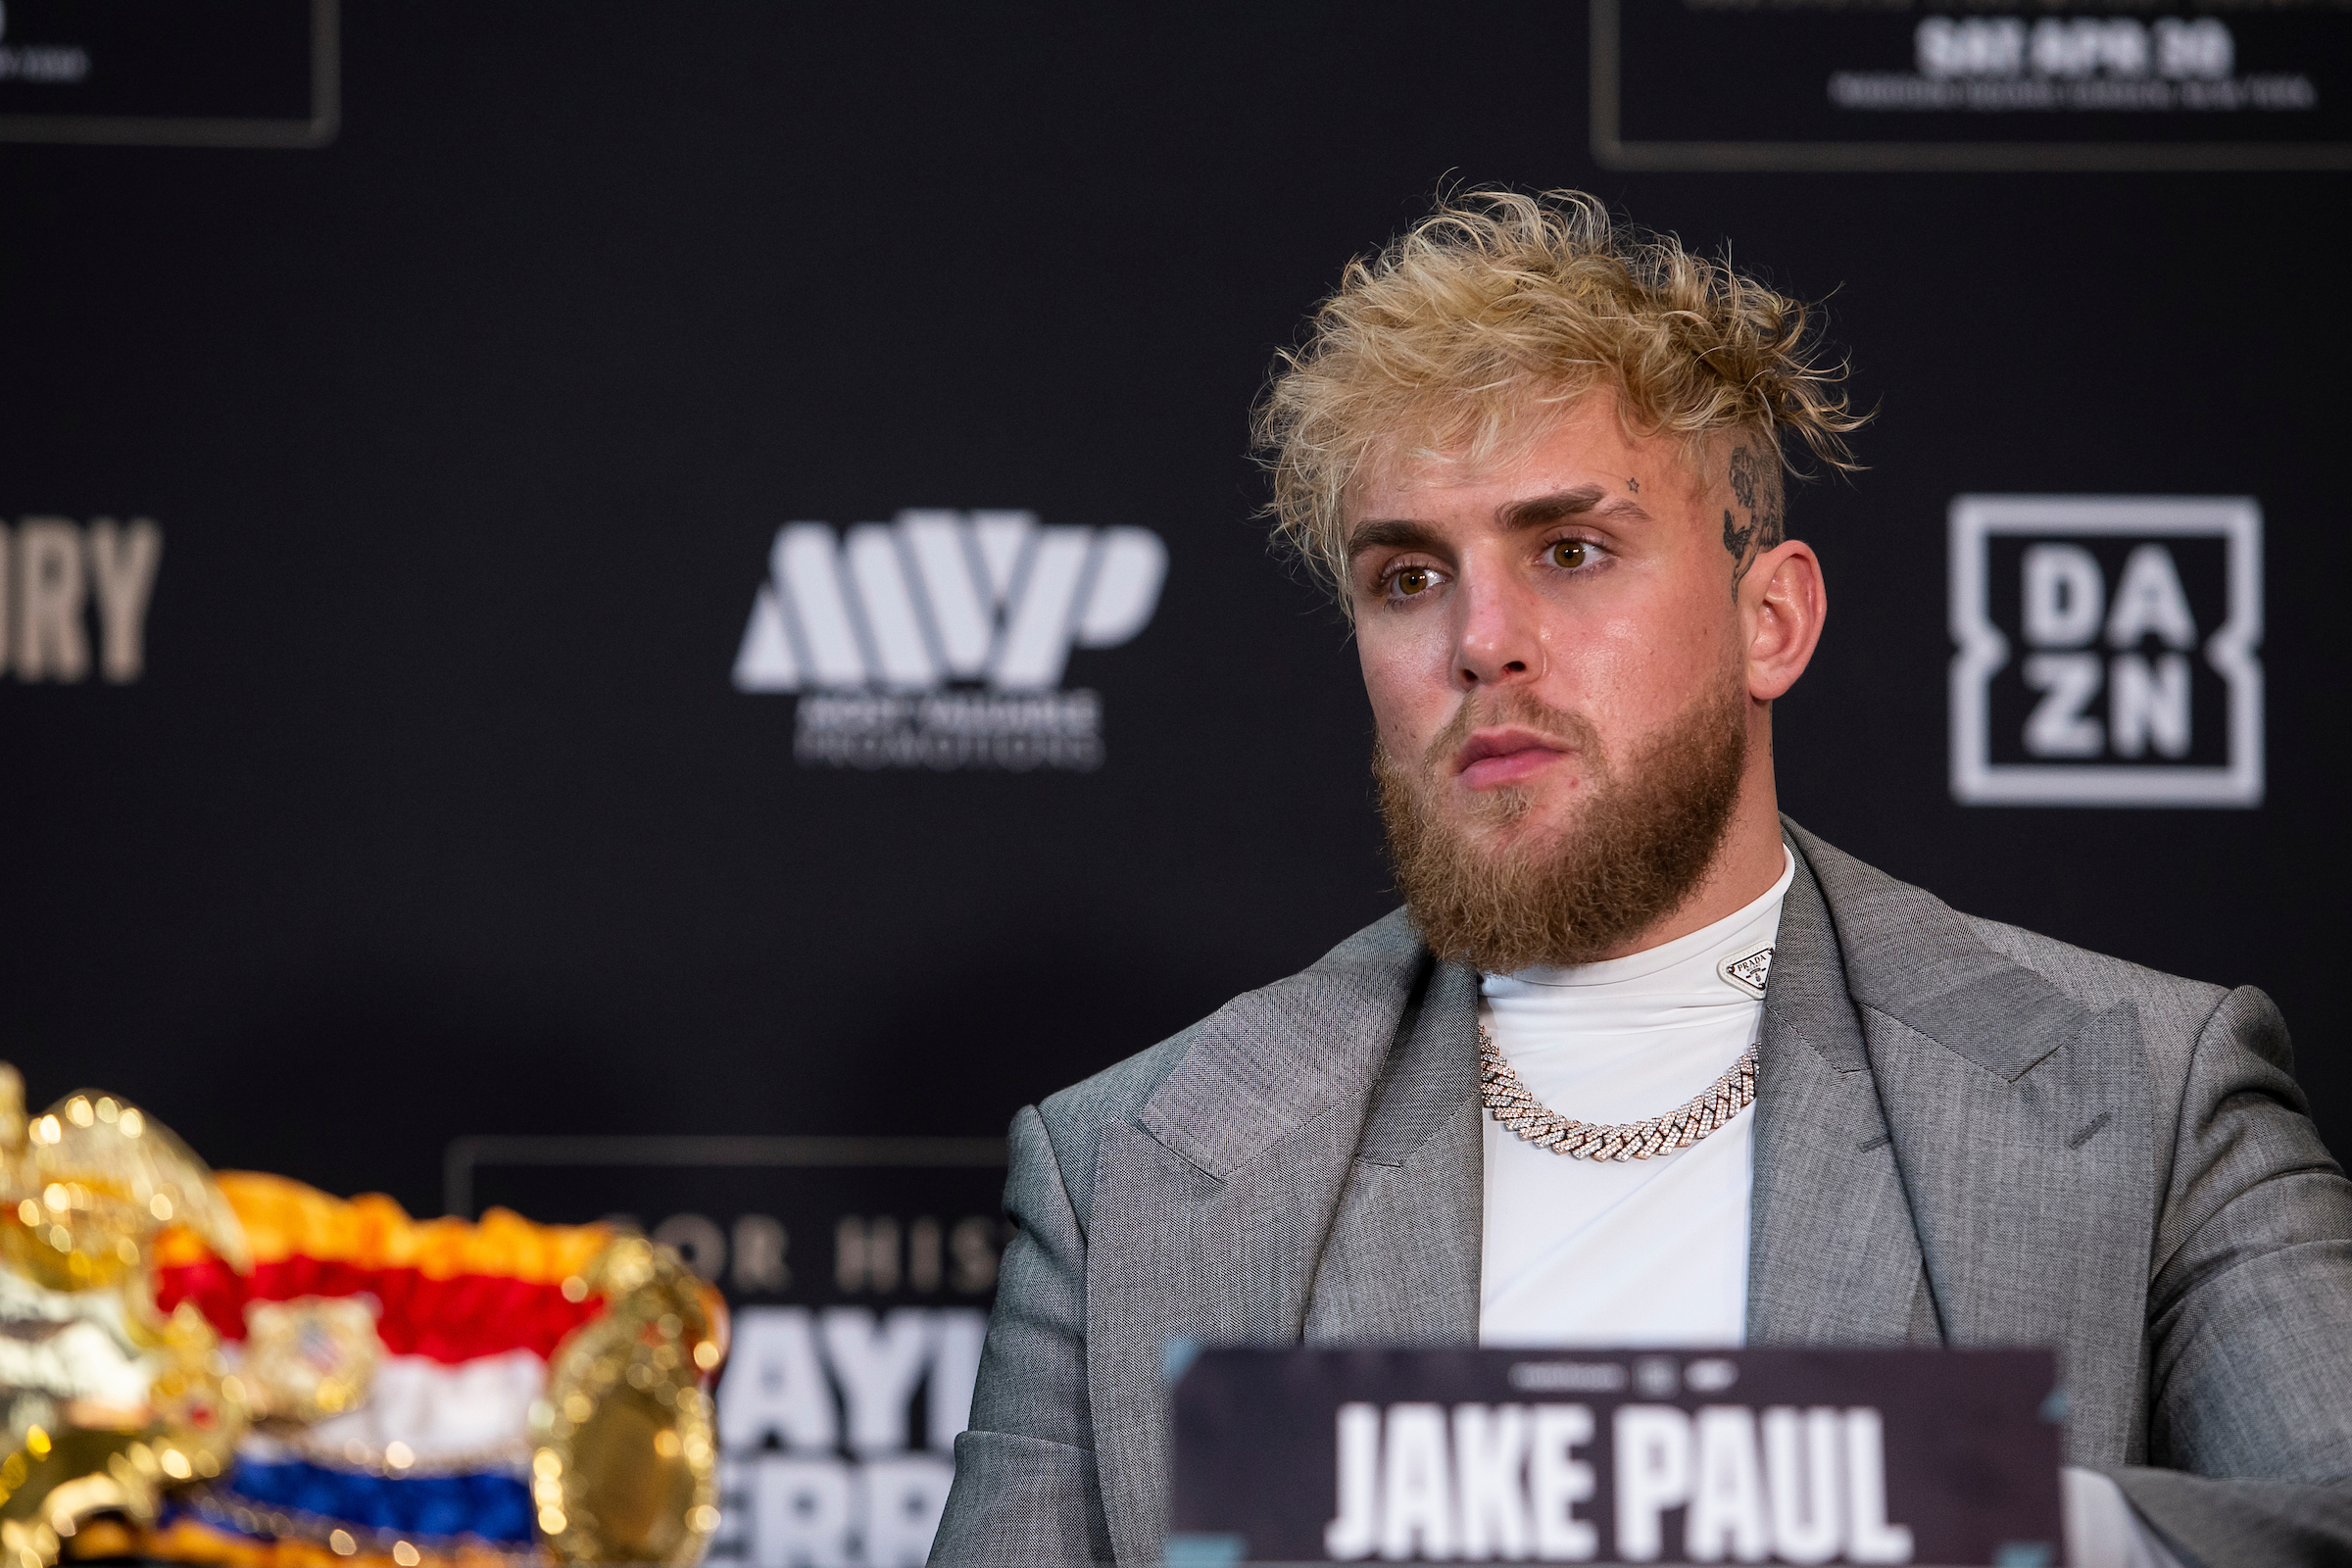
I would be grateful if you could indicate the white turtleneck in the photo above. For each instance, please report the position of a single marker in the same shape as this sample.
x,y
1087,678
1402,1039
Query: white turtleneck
x,y
1650,1251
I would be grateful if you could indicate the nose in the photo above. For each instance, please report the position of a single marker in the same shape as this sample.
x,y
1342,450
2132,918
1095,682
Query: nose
x,y
1500,640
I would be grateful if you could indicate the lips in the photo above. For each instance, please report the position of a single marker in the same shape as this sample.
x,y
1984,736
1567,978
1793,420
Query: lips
x,y
1507,754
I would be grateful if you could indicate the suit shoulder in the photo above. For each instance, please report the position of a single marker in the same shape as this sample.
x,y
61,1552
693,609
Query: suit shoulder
x,y
1116,1092
2169,1006
1075,1119
1998,993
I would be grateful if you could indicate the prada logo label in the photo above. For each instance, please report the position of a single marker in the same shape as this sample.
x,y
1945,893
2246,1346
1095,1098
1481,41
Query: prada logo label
x,y
1746,971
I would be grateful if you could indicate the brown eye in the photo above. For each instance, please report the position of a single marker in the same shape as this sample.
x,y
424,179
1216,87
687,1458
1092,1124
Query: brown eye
x,y
1413,580
1570,554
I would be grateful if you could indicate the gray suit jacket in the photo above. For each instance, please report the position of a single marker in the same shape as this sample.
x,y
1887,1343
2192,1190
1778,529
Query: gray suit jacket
x,y
1966,1133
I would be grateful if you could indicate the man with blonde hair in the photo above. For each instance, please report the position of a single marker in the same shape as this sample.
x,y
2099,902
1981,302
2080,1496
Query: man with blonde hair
x,y
1639,1060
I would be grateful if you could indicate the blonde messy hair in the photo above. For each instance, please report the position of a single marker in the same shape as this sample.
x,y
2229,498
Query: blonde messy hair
x,y
1497,305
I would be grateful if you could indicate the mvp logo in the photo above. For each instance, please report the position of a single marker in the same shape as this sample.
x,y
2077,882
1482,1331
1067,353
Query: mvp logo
x,y
2106,651
939,639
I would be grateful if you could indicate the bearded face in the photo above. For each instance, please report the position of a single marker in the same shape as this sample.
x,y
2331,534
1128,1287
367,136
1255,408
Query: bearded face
x,y
1491,883
1572,649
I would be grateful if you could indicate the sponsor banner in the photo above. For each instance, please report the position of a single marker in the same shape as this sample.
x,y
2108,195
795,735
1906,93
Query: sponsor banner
x,y
2107,651
73,598
1781,1455
257,73
939,640
860,1271
1831,84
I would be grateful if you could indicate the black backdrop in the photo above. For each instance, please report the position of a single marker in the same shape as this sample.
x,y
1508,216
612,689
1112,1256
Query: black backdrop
x,y
434,812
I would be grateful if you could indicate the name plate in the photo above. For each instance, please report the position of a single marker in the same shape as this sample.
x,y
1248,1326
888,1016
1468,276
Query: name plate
x,y
1760,1455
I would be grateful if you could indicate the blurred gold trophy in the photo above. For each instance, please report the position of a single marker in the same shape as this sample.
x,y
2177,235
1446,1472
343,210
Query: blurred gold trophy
x,y
105,1400
625,1461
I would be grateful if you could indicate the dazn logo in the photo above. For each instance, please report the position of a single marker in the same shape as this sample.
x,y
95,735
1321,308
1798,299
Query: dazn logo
x,y
2107,651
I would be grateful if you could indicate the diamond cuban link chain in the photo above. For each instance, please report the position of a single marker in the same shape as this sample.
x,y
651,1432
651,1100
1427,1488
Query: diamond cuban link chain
x,y
1508,1095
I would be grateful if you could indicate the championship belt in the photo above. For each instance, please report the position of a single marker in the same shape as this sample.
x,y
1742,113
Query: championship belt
x,y
241,1370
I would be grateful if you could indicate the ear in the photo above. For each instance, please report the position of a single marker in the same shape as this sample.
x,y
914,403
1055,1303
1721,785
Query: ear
x,y
1781,605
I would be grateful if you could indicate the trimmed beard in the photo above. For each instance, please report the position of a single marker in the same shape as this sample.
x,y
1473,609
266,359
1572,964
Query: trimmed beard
x,y
1502,900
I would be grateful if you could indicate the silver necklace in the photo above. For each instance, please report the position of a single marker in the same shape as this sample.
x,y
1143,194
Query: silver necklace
x,y
1515,1106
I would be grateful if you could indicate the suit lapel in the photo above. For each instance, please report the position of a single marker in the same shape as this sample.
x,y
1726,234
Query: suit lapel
x,y
1402,1264
1833,1255
1210,1212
